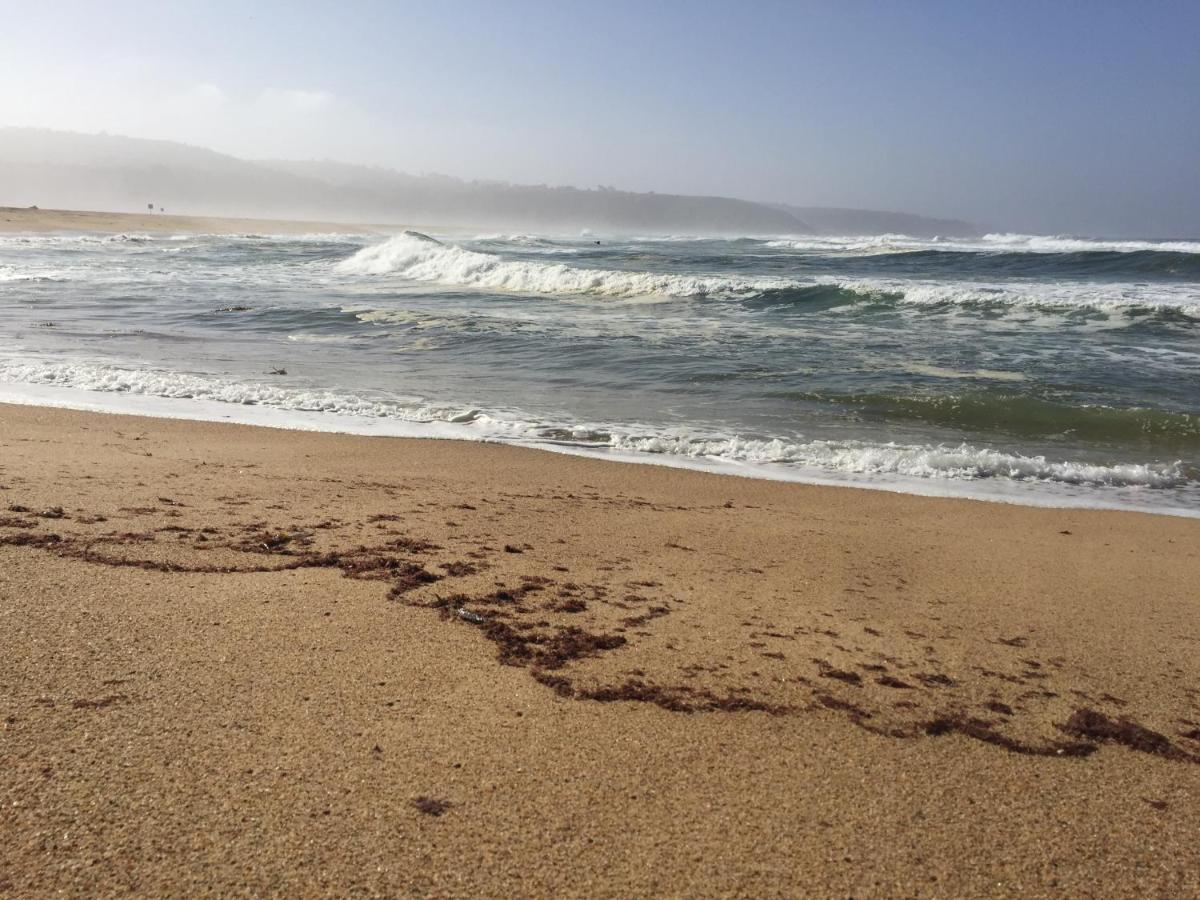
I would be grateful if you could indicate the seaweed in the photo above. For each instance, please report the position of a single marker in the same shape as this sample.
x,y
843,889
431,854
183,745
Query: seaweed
x,y
431,806
1096,726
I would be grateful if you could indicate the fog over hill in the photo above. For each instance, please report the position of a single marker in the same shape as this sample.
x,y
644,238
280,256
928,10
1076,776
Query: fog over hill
x,y
834,220
87,171
444,200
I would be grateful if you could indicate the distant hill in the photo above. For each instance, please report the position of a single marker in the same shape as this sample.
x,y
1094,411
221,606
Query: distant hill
x,y
69,170
121,174
73,171
439,198
832,220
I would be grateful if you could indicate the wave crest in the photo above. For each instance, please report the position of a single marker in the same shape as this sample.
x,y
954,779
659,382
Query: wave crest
x,y
1064,297
1037,243
418,258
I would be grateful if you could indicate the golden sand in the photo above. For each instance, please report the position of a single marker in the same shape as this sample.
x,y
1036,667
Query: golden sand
x,y
246,661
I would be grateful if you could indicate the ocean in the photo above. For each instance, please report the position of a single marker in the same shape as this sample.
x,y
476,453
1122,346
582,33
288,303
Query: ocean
x,y
1040,370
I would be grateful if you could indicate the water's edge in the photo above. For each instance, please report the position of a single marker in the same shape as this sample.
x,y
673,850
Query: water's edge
x,y
149,406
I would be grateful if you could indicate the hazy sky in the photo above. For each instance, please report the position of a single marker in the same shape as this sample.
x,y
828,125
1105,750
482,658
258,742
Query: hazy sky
x,y
1051,116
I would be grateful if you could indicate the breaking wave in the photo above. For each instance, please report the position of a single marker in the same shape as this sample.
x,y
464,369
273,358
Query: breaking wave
x,y
1013,243
417,257
1035,243
1009,254
941,462
1133,299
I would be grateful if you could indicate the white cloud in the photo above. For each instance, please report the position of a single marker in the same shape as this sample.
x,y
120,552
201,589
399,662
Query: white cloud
x,y
297,100
206,93
252,121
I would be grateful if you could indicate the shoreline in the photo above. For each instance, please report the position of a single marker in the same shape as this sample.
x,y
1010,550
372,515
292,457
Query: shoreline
x,y
244,659
1035,496
987,471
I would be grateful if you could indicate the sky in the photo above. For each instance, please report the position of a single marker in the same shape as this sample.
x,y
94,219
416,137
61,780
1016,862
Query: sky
x,y
1052,117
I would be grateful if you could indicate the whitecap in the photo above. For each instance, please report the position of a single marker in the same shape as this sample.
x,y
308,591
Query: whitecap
x,y
416,258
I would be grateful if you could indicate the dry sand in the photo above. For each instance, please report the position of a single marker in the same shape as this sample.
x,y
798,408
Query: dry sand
x,y
18,219
244,661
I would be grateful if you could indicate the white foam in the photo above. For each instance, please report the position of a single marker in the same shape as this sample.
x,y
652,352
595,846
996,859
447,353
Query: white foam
x,y
989,243
306,338
32,274
1057,296
182,386
60,239
1036,243
941,372
418,258
858,245
54,240
942,462
532,241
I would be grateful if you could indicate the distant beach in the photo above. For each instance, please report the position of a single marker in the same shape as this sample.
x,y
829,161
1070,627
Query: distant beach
x,y
32,219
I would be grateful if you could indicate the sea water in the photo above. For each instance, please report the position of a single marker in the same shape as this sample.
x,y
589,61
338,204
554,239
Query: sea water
x,y
1043,370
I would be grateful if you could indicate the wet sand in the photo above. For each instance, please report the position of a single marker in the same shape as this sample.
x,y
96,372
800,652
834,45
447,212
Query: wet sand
x,y
249,661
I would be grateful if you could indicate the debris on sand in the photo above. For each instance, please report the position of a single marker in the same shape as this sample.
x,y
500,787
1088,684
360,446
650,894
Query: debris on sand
x,y
431,806
1089,723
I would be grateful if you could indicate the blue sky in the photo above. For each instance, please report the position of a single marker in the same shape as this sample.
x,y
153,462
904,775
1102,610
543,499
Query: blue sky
x,y
1063,117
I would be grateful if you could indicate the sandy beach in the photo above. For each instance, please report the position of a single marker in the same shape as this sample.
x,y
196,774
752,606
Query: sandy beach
x,y
619,451
28,219
244,661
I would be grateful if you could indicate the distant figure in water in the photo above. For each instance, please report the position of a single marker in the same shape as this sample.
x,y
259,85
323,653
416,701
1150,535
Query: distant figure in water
x,y
597,243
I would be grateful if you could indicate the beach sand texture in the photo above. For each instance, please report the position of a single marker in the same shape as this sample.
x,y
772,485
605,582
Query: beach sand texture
x,y
244,661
